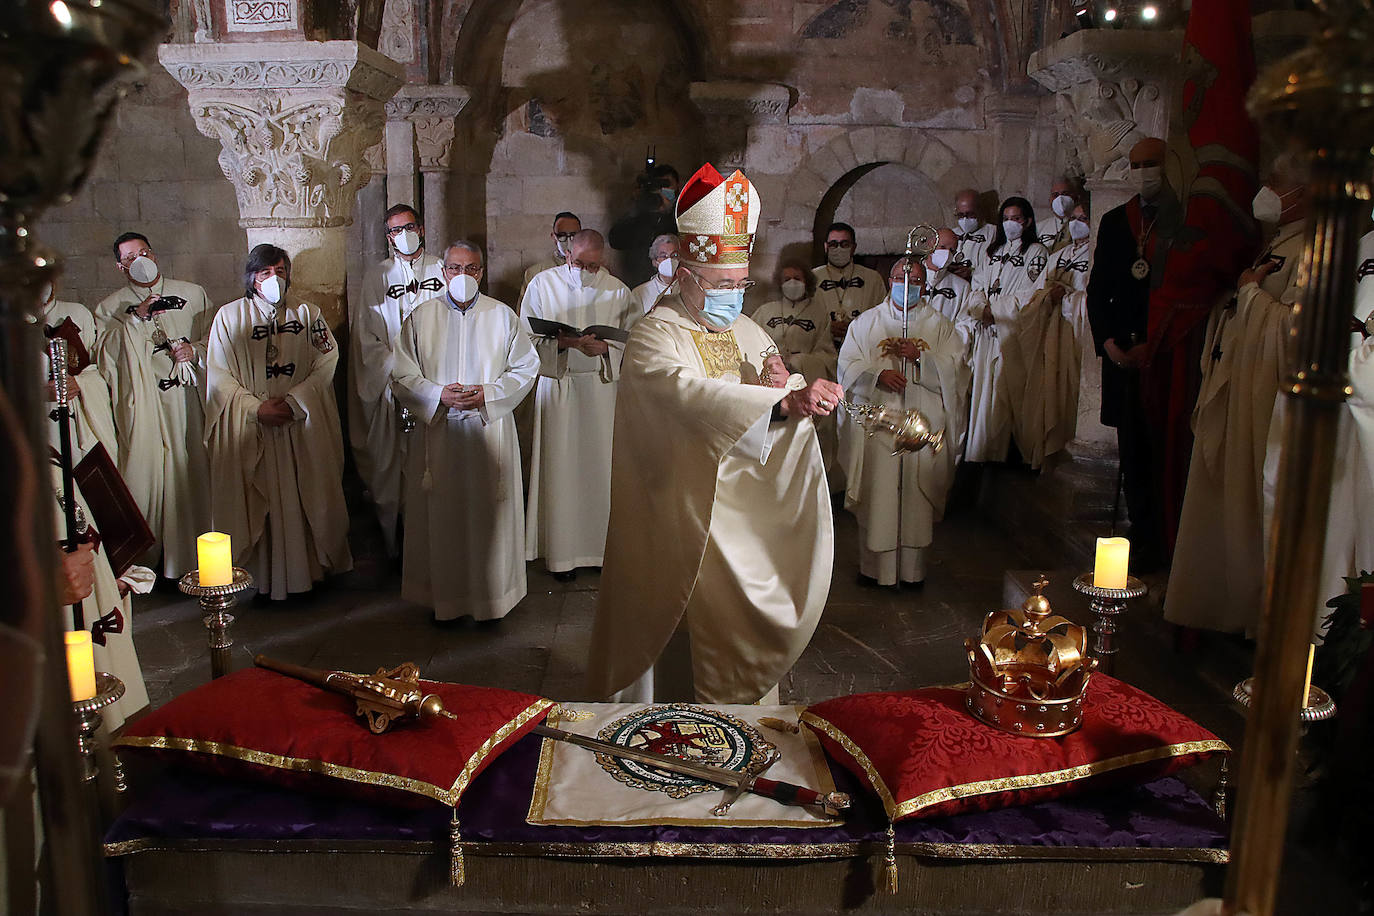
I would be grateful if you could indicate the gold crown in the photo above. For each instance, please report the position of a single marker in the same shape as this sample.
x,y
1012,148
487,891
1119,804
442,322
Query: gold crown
x,y
1029,670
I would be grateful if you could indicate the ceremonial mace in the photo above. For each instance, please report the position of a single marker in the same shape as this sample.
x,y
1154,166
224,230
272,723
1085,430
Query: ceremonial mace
x,y
1321,96
62,413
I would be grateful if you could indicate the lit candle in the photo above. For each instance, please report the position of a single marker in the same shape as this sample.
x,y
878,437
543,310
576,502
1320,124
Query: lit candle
x,y
80,664
216,559
1112,556
1307,679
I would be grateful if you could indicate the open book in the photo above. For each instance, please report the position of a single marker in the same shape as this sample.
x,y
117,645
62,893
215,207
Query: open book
x,y
545,328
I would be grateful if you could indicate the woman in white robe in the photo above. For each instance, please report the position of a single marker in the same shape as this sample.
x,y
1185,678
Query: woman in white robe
x,y
1015,261
897,516
465,537
272,430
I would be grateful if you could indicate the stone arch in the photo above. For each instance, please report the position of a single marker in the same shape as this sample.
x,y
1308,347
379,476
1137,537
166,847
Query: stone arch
x,y
827,173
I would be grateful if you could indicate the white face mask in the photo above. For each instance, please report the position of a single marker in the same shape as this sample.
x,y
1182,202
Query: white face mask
x,y
1079,230
968,224
1149,181
463,288
143,270
585,279
562,249
667,269
47,294
939,258
839,257
1012,228
794,290
1267,206
408,242
1062,205
271,289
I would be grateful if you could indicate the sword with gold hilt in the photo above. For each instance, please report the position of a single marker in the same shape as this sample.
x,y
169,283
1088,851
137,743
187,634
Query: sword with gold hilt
x,y
735,782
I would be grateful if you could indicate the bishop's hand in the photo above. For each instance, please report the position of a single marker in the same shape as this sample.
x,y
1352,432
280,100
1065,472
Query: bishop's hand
x,y
817,399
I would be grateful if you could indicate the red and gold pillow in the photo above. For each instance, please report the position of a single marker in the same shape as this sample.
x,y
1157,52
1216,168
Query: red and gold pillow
x,y
925,755
277,728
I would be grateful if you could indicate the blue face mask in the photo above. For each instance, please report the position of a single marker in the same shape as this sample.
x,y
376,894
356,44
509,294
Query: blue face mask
x,y
899,294
668,194
722,306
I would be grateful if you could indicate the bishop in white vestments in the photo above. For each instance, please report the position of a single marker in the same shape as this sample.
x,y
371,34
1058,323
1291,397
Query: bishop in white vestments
x,y
574,408
1014,263
898,498
272,429
391,290
463,363
721,543
152,356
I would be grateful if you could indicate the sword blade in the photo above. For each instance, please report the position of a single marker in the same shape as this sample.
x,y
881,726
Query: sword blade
x,y
706,772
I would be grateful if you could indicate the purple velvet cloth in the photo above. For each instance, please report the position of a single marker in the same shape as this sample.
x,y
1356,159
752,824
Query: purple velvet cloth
x,y
181,804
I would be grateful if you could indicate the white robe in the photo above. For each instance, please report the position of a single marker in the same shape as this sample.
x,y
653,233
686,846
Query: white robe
x,y
375,430
277,491
1054,232
646,294
1349,547
1047,353
936,386
116,304
465,538
92,417
721,519
973,247
534,270
109,619
863,289
801,331
1216,580
1008,280
159,414
956,299
574,418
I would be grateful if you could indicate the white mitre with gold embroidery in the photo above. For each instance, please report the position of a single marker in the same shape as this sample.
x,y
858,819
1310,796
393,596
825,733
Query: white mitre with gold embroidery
x,y
716,218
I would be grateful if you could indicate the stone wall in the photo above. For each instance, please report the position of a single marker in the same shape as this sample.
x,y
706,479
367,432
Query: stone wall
x,y
155,174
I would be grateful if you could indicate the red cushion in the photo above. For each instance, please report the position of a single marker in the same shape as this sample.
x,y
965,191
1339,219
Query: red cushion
x,y
272,726
925,755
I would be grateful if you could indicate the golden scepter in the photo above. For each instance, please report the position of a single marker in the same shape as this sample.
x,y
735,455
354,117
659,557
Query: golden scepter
x,y
384,698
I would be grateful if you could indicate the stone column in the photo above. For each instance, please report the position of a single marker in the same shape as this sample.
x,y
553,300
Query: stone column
x,y
294,119
429,114
729,109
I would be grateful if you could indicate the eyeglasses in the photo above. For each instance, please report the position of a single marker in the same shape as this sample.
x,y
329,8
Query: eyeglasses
x,y
397,230
564,236
471,270
130,258
724,285
839,243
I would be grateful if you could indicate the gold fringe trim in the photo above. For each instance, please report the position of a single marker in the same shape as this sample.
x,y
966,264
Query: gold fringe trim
x,y
896,811
457,869
449,796
891,860
965,851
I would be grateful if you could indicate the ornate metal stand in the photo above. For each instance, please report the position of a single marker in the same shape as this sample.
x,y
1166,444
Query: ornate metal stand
x,y
1318,706
108,689
215,602
1107,603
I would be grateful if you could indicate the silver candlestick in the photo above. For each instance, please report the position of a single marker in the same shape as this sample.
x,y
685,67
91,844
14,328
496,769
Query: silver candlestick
x,y
108,689
215,602
1107,604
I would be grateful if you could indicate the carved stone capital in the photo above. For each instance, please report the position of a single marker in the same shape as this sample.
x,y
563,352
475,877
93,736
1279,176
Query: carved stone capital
x,y
754,103
1112,87
416,102
434,143
294,120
